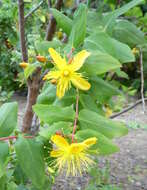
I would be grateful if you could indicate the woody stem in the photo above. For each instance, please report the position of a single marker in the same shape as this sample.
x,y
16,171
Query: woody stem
x,y
76,116
14,137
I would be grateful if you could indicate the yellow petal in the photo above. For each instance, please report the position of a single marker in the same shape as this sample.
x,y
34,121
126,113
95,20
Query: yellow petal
x,y
76,148
78,60
79,82
90,141
62,86
52,75
59,141
58,60
55,153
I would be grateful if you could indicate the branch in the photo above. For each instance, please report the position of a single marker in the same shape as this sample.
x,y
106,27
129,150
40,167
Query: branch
x,y
76,116
22,31
51,28
33,10
128,108
33,91
142,81
14,137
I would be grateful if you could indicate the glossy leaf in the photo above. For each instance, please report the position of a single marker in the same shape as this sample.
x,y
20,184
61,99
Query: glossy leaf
x,y
8,118
94,121
30,157
99,63
78,31
63,127
88,102
50,114
30,69
63,21
101,90
43,46
103,146
4,153
105,44
48,95
128,33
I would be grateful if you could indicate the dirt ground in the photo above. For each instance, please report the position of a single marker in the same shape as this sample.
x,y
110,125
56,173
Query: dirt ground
x,y
128,168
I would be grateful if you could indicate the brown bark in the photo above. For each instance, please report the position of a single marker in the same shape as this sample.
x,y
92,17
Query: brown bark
x,y
22,31
51,28
33,91
34,82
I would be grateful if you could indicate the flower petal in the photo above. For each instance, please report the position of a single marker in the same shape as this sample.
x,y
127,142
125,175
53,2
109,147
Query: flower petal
x,y
90,141
52,75
76,148
62,85
56,153
59,141
79,82
78,60
58,60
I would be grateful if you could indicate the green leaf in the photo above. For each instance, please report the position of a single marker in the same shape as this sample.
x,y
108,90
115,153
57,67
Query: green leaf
x,y
105,44
104,146
78,31
109,18
11,186
101,90
8,118
4,153
50,114
3,181
63,21
99,63
64,127
88,102
118,12
94,121
121,74
48,95
128,33
30,69
30,157
67,100
43,46
94,22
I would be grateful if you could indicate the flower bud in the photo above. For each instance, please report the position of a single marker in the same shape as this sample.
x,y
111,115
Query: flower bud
x,y
23,65
54,81
41,58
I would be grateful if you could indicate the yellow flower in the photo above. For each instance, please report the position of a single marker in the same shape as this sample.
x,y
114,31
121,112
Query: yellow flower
x,y
24,65
65,73
72,156
135,51
108,112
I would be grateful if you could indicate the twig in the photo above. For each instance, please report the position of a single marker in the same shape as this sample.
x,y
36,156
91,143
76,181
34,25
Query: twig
x,y
128,108
51,28
142,81
33,10
118,3
14,137
22,31
49,3
76,116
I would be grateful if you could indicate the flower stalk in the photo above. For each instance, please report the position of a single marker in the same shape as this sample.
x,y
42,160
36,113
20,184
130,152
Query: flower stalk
x,y
76,116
